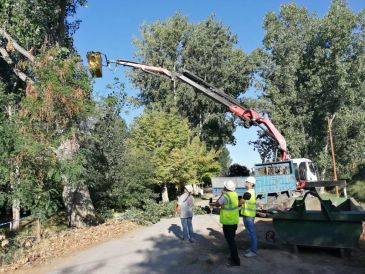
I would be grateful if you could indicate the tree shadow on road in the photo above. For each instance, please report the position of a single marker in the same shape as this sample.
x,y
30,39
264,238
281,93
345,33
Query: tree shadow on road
x,y
217,235
176,230
165,253
171,256
168,255
91,268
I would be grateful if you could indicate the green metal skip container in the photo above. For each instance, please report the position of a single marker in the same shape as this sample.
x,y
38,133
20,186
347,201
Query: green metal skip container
x,y
332,226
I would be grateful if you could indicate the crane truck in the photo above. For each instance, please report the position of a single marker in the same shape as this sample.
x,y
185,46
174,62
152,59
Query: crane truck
x,y
273,180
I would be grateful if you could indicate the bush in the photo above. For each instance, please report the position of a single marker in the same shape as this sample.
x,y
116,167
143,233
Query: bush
x,y
201,210
103,214
152,212
357,190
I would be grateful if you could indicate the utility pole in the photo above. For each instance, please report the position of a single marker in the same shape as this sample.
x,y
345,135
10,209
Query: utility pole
x,y
330,120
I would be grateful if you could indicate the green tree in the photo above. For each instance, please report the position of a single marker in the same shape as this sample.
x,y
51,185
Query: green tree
x,y
158,133
193,163
236,170
40,22
28,28
32,25
357,184
51,113
225,160
176,156
313,68
104,147
134,184
8,144
209,50
119,177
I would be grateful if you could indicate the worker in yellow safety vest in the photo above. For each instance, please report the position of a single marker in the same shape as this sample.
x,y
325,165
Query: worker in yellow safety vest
x,y
248,212
229,218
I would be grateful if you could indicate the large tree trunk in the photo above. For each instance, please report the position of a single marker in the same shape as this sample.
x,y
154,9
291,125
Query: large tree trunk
x,y
79,206
61,28
80,209
323,174
165,194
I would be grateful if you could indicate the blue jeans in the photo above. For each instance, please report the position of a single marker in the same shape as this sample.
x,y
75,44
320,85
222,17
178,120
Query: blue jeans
x,y
187,228
249,223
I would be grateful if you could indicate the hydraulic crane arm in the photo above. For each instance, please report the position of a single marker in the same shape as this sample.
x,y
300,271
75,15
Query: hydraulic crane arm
x,y
249,116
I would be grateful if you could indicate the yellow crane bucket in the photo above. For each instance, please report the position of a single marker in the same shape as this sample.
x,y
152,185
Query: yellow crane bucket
x,y
95,63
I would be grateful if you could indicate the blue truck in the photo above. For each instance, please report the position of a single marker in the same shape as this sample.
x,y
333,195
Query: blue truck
x,y
276,182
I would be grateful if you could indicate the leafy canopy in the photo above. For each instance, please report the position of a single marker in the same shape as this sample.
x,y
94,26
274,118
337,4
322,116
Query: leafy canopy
x,y
167,141
209,50
313,68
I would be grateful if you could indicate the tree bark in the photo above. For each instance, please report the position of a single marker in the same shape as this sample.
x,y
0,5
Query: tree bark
x,y
15,215
6,56
61,29
22,76
16,46
14,181
38,232
165,194
79,206
323,174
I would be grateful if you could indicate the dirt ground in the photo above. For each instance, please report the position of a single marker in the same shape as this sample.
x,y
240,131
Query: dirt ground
x,y
63,244
158,249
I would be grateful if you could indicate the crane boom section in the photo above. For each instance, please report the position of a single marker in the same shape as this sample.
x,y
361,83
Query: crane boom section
x,y
233,105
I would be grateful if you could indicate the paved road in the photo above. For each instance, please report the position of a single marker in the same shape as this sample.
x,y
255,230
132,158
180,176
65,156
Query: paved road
x,y
158,249
153,249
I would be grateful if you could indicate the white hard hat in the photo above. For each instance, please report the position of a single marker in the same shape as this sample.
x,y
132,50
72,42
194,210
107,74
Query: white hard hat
x,y
251,180
189,188
230,185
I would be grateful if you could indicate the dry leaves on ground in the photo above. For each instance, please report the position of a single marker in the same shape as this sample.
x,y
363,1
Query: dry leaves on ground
x,y
67,242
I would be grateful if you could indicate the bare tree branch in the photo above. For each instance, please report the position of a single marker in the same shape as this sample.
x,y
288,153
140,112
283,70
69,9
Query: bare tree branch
x,y
19,48
5,55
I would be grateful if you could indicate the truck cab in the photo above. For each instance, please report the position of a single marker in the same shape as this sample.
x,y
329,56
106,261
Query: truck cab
x,y
305,170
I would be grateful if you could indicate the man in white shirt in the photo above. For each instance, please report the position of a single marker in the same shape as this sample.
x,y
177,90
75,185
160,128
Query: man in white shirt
x,y
185,210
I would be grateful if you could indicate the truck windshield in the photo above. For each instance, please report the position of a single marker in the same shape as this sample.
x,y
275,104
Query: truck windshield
x,y
303,171
312,168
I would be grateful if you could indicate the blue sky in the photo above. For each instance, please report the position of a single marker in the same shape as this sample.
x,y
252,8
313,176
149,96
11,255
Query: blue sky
x,y
109,26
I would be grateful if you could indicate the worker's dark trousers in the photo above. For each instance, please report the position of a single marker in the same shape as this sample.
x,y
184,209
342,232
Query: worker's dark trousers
x,y
230,233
